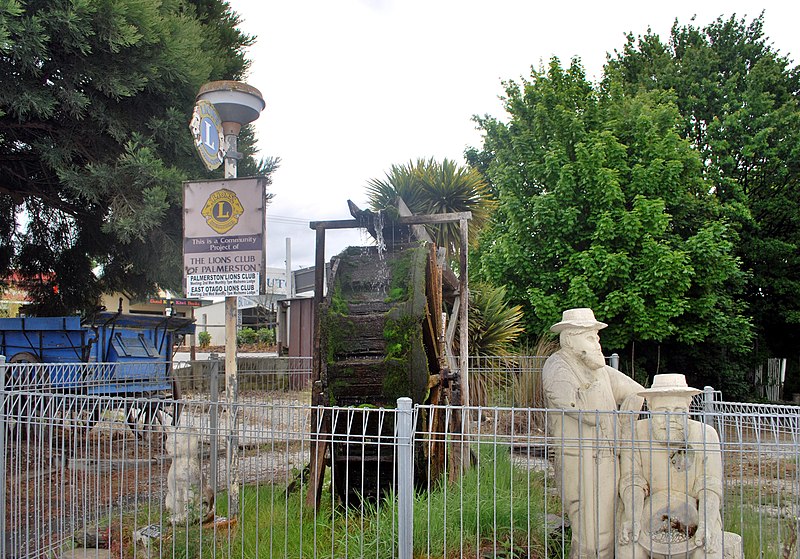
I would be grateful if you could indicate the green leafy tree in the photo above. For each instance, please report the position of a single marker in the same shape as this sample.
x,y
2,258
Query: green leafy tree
x,y
602,204
94,144
430,187
738,99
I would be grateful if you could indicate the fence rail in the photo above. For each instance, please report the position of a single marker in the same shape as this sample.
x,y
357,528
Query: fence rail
x,y
106,471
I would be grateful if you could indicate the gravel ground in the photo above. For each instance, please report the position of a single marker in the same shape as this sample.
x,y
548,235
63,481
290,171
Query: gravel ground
x,y
67,476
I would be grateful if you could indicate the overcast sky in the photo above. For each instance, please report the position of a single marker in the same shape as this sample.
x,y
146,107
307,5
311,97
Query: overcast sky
x,y
354,86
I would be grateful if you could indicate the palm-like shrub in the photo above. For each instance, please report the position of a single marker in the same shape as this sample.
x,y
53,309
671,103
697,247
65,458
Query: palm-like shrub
x,y
430,187
494,325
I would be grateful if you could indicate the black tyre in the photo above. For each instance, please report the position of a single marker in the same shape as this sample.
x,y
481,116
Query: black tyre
x,y
26,395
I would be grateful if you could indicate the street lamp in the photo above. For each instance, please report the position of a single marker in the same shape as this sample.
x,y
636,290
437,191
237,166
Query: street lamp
x,y
237,104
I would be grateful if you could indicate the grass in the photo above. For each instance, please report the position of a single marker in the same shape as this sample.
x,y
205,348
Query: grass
x,y
494,508
751,513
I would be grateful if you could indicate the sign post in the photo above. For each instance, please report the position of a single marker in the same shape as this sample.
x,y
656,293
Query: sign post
x,y
224,212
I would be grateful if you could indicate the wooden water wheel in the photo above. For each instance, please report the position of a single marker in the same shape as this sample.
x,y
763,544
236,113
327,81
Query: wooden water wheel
x,y
380,336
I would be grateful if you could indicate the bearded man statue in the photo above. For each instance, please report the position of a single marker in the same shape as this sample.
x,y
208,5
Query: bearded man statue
x,y
586,431
671,482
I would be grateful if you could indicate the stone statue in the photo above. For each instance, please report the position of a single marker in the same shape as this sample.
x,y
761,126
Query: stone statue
x,y
671,482
189,498
576,379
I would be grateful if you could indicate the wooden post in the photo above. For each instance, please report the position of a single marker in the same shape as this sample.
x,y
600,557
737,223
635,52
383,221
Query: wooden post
x,y
463,319
318,424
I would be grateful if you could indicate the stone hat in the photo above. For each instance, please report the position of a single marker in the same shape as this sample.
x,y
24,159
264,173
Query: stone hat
x,y
669,385
578,318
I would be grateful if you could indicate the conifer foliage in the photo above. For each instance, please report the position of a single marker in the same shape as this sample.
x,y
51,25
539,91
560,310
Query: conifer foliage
x,y
95,97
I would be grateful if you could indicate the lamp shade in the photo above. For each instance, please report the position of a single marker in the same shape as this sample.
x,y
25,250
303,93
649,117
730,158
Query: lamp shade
x,y
235,101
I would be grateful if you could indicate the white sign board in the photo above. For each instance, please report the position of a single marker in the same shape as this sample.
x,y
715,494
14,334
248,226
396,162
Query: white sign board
x,y
210,285
223,237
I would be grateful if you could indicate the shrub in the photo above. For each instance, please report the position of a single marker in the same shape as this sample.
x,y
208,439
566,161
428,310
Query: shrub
x,y
246,336
204,339
265,336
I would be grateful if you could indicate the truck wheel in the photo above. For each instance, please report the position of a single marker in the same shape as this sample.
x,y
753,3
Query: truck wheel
x,y
24,357
24,408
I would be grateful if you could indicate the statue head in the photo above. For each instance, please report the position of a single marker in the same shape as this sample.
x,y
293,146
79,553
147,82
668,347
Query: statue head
x,y
578,335
182,441
669,399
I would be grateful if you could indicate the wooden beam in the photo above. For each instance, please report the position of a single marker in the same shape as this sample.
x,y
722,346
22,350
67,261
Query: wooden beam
x,y
405,220
463,330
339,224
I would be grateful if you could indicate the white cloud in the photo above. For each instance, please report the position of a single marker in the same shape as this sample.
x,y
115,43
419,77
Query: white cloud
x,y
354,86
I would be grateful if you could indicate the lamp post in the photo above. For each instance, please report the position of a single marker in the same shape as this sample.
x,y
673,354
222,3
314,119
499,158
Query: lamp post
x,y
238,104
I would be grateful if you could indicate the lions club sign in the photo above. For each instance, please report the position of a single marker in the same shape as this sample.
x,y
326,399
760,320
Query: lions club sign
x,y
223,237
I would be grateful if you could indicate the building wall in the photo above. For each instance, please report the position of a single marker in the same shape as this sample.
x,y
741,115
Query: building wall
x,y
211,319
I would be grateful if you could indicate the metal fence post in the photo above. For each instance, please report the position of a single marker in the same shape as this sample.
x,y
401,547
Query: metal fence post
x,y
3,451
405,479
213,422
708,405
615,361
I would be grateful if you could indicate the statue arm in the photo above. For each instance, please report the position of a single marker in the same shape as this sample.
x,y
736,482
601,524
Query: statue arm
x,y
632,491
709,524
632,496
708,490
562,394
626,390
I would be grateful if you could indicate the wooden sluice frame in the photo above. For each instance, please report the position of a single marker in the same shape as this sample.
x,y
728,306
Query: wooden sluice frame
x,y
321,439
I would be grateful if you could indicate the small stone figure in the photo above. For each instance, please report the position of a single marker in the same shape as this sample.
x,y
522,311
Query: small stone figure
x,y
576,379
189,498
671,482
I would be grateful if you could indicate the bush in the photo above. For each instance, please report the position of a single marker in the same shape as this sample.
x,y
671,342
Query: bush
x,y
204,339
265,336
246,336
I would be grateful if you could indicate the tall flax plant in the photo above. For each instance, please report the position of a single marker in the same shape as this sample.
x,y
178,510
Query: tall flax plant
x,y
494,328
528,384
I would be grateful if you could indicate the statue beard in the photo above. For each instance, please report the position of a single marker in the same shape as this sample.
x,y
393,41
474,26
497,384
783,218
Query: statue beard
x,y
675,435
593,360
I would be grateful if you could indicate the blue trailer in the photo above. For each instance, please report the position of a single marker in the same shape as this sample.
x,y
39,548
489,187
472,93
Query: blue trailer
x,y
135,350
109,355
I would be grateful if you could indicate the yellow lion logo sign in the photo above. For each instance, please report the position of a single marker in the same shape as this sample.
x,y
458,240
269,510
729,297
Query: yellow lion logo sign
x,y
222,210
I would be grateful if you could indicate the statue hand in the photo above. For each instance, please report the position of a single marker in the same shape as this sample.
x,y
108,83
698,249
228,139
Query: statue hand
x,y
629,532
708,537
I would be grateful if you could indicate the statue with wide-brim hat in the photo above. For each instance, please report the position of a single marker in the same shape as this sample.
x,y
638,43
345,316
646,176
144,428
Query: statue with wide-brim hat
x,y
669,385
670,483
577,380
581,318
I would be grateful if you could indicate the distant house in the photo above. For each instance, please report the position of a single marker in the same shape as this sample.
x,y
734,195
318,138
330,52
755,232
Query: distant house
x,y
253,311
14,297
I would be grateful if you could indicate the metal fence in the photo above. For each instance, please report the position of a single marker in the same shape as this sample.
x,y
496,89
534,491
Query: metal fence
x,y
109,472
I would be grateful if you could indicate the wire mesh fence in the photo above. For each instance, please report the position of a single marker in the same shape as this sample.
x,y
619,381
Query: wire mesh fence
x,y
146,474
256,374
